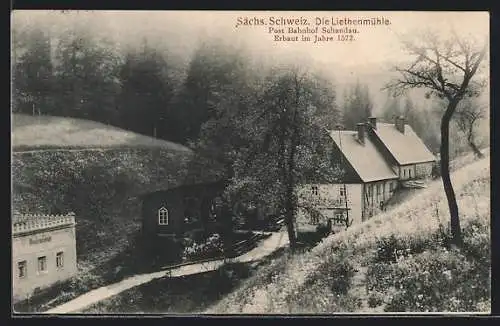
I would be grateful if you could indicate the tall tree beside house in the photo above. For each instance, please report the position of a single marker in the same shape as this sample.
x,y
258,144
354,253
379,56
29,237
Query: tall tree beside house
x,y
286,146
146,93
448,69
32,71
357,105
86,71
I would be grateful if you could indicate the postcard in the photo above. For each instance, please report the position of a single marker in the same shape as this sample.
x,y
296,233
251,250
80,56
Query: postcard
x,y
250,162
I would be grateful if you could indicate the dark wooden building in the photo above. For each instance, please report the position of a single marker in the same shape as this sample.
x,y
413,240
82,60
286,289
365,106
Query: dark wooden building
x,y
170,216
172,212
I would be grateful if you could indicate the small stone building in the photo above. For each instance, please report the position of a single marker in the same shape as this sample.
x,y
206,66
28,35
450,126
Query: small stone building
x,y
43,252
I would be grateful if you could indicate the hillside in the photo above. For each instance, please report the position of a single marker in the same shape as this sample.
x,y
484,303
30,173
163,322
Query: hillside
x,y
97,172
49,132
56,154
398,261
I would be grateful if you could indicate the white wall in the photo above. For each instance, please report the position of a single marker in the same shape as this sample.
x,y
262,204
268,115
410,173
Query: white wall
x,y
372,197
412,171
328,201
30,247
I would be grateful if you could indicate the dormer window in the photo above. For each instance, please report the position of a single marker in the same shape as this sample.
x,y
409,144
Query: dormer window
x,y
163,216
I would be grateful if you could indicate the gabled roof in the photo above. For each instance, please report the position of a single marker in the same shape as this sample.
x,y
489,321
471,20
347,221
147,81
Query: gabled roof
x,y
366,160
406,148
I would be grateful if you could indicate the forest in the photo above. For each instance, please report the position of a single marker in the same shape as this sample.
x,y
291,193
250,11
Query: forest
x,y
264,120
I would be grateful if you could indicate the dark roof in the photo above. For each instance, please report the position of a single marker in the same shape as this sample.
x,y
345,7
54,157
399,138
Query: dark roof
x,y
366,160
214,185
406,148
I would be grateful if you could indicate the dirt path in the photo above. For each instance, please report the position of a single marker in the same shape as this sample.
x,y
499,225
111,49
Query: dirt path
x,y
266,247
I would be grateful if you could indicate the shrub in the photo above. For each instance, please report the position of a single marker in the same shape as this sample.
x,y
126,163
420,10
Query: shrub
x,y
477,242
375,299
210,248
341,276
327,288
437,280
390,249
379,276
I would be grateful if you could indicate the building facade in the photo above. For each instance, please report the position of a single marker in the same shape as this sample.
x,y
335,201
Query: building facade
x,y
167,215
402,148
43,252
367,183
376,159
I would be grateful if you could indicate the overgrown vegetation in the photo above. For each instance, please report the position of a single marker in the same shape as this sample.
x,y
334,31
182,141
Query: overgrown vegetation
x,y
189,294
398,261
424,277
95,184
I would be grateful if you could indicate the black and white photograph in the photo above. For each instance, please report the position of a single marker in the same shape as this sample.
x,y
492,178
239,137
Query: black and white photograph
x,y
250,162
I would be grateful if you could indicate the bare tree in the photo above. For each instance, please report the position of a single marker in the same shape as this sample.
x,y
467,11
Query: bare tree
x,y
468,115
446,69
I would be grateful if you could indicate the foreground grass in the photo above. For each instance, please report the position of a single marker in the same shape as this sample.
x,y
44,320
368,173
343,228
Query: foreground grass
x,y
188,294
397,261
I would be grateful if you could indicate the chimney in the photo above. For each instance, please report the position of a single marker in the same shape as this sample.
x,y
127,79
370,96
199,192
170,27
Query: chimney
x,y
373,122
400,124
361,132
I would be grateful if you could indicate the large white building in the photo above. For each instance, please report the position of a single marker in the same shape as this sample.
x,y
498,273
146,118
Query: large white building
x,y
375,159
43,252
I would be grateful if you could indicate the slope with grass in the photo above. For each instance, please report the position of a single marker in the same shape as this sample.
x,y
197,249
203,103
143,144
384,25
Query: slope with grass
x,y
97,171
51,132
399,261
61,164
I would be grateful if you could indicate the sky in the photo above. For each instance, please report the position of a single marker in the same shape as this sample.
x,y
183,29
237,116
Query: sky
x,y
367,57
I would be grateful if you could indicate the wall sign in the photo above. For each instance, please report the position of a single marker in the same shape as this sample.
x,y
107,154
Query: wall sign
x,y
40,240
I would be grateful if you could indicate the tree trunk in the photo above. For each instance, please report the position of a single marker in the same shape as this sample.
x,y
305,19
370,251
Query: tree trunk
x,y
287,167
456,231
470,140
290,197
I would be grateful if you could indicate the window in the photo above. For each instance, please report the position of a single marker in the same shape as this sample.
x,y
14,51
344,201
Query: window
x,y
342,192
404,173
390,186
314,190
378,189
338,218
60,259
163,216
22,269
409,173
42,264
